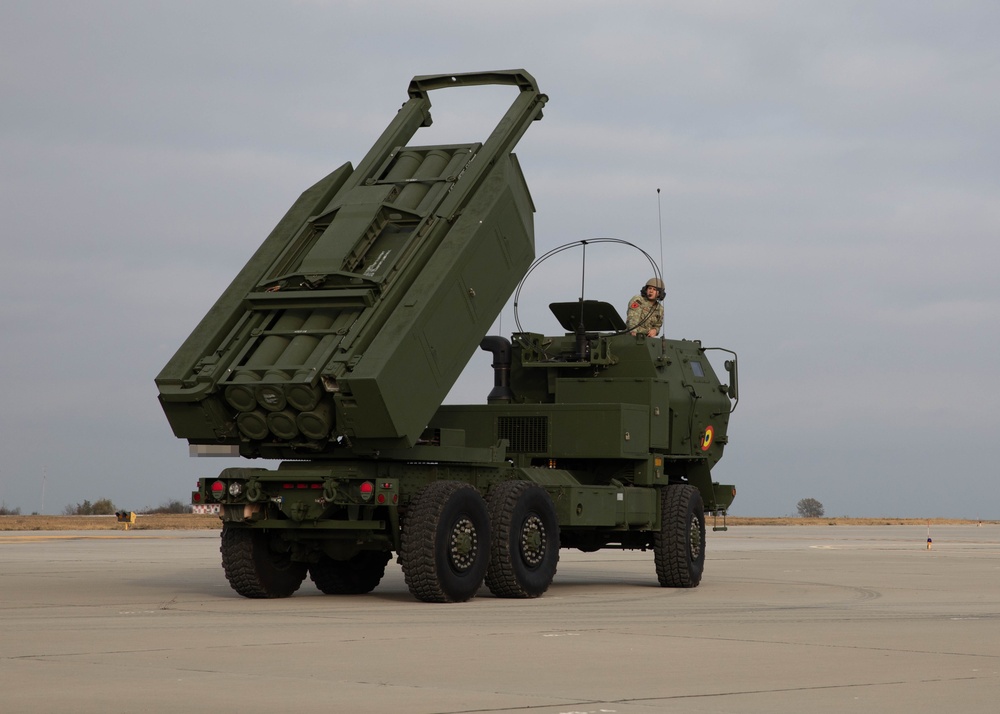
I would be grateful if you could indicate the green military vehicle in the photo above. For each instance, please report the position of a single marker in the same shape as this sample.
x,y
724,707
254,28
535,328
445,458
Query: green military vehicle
x,y
335,346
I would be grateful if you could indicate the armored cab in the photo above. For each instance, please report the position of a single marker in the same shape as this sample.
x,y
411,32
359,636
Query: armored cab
x,y
335,345
607,410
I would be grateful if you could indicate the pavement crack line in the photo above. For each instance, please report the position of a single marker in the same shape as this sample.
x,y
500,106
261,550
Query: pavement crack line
x,y
828,645
711,695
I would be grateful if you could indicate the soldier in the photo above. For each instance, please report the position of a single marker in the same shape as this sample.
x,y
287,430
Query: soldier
x,y
645,310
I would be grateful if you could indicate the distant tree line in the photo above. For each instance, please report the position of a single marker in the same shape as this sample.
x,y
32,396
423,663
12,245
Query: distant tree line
x,y
170,507
5,511
100,507
106,507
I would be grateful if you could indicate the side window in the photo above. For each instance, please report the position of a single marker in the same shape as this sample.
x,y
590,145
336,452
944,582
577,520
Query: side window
x,y
697,369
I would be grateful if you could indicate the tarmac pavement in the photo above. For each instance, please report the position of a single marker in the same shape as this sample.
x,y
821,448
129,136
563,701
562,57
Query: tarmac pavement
x,y
787,619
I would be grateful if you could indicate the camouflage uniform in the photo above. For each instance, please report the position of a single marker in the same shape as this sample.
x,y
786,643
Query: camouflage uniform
x,y
645,314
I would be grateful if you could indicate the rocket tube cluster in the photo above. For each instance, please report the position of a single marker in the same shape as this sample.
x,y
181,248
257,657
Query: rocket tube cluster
x,y
282,401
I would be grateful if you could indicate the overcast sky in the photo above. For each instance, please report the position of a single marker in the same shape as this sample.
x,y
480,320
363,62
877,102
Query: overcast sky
x,y
830,202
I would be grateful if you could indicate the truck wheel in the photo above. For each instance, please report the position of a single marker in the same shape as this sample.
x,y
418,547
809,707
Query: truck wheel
x,y
355,576
254,568
525,548
679,546
445,542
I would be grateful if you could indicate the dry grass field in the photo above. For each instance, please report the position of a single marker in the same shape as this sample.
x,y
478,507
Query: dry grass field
x,y
176,521
151,522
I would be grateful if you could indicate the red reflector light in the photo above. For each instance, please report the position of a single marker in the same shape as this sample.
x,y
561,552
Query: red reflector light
x,y
218,487
381,498
367,487
196,496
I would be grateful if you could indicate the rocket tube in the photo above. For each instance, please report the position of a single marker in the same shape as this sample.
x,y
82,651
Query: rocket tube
x,y
431,168
318,423
282,424
253,425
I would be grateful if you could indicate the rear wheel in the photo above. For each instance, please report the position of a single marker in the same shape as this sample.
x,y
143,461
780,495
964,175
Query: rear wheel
x,y
525,547
259,565
445,542
354,576
679,546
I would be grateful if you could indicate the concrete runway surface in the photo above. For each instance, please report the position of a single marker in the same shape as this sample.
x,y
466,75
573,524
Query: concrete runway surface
x,y
787,619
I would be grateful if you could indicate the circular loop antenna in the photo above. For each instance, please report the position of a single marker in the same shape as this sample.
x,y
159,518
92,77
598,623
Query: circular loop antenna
x,y
582,244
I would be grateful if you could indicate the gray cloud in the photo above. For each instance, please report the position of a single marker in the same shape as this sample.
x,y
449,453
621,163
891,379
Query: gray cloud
x,y
829,210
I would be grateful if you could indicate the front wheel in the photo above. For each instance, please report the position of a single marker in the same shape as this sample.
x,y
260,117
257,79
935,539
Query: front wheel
x,y
445,542
525,549
259,565
679,546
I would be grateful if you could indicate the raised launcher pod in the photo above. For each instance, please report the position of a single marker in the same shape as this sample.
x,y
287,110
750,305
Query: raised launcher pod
x,y
353,320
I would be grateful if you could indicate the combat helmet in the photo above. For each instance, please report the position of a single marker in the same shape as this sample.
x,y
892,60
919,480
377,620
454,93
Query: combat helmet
x,y
654,282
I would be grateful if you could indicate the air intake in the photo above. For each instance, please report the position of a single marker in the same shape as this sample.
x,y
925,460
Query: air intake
x,y
527,435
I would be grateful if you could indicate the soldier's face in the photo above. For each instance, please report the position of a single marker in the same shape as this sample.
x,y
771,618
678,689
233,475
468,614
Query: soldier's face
x,y
651,292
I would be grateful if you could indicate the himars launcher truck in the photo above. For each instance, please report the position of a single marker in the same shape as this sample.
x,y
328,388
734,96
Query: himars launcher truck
x,y
333,350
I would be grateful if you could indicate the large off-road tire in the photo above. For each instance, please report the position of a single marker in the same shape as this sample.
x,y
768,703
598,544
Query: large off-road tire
x,y
256,566
679,546
355,576
445,542
525,540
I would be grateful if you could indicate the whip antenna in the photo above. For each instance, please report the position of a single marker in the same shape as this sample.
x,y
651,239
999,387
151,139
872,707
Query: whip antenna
x,y
659,218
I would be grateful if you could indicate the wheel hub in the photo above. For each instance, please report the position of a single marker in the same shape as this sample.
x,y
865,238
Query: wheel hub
x,y
533,541
464,545
694,538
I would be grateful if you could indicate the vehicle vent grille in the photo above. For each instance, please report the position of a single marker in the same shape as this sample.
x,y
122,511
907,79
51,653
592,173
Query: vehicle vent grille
x,y
526,434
